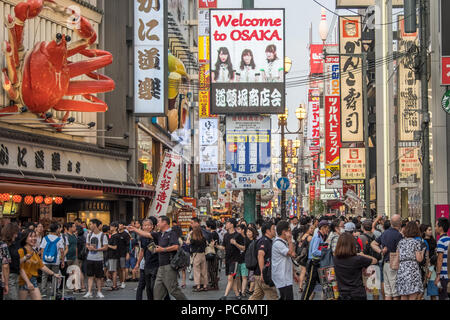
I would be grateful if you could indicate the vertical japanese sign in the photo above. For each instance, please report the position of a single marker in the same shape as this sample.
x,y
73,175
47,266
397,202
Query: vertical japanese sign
x,y
314,120
224,195
353,164
150,47
352,117
247,61
316,58
209,148
166,180
409,164
248,162
332,122
409,87
204,72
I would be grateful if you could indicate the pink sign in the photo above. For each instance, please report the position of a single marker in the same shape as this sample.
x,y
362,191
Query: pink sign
x,y
442,211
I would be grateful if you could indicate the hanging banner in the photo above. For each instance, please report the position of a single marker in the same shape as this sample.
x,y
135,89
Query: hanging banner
x,y
247,61
224,195
166,180
316,58
353,163
209,145
409,87
150,47
409,166
248,162
314,120
332,123
352,116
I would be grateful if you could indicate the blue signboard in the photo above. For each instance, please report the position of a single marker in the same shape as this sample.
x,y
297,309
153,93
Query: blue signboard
x,y
248,160
283,184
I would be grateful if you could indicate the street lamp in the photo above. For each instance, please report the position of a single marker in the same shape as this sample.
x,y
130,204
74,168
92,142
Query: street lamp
x,y
300,114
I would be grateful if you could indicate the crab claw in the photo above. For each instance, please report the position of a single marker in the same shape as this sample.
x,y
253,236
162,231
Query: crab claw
x,y
86,31
29,9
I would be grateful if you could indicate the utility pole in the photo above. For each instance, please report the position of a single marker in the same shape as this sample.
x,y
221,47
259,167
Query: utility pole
x,y
249,195
283,169
424,40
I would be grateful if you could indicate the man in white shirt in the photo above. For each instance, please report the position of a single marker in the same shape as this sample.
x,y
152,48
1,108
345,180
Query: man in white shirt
x,y
96,243
52,259
283,250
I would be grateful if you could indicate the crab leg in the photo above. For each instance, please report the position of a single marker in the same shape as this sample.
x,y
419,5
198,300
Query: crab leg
x,y
13,94
99,60
95,105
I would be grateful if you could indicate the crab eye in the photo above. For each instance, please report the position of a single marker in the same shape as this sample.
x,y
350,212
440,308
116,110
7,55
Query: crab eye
x,y
58,36
68,38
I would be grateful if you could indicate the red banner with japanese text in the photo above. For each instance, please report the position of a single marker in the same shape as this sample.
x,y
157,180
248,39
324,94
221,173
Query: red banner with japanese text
x,y
316,58
166,180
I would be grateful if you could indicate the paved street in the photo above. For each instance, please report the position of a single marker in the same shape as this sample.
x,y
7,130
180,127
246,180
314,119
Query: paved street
x,y
129,293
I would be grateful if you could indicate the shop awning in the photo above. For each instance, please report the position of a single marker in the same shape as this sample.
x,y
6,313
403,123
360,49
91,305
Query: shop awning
x,y
42,189
118,190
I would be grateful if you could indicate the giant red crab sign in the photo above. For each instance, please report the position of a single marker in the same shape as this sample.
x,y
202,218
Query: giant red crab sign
x,y
40,79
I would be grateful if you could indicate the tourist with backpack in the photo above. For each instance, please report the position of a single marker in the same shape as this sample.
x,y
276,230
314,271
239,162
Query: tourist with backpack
x,y
97,244
168,249
52,251
264,286
283,251
81,257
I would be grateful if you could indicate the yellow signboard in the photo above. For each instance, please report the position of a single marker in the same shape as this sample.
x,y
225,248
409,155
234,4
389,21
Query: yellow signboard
x,y
203,49
203,104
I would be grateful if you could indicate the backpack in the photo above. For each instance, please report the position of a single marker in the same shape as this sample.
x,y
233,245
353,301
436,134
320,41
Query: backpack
x,y
302,252
181,260
251,256
51,250
368,248
267,270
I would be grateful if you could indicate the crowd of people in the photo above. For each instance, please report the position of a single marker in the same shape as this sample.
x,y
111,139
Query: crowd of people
x,y
388,259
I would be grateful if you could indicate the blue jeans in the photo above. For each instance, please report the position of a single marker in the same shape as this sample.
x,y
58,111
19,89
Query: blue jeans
x,y
33,280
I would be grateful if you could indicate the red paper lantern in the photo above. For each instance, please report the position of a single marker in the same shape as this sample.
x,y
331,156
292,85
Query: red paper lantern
x,y
48,200
58,200
28,200
4,197
38,199
16,198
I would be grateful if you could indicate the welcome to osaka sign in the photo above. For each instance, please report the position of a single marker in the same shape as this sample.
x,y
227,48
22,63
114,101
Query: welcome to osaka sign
x,y
247,61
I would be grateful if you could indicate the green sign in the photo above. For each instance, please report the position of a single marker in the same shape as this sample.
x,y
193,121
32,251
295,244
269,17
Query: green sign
x,y
446,102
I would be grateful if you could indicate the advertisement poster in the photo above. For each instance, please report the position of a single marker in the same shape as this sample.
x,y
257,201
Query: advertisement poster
x,y
332,123
409,166
224,195
247,61
352,117
248,161
151,43
353,163
209,148
166,181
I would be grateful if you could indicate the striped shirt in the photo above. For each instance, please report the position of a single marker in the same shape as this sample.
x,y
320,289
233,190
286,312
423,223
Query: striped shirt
x,y
442,247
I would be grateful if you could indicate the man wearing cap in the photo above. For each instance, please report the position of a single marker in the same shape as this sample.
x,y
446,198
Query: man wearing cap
x,y
350,227
314,254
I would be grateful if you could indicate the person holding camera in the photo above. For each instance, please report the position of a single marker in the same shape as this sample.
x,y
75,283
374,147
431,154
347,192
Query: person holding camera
x,y
166,278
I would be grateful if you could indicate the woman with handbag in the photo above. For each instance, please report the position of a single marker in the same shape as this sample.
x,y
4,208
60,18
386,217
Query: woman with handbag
x,y
409,281
198,247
